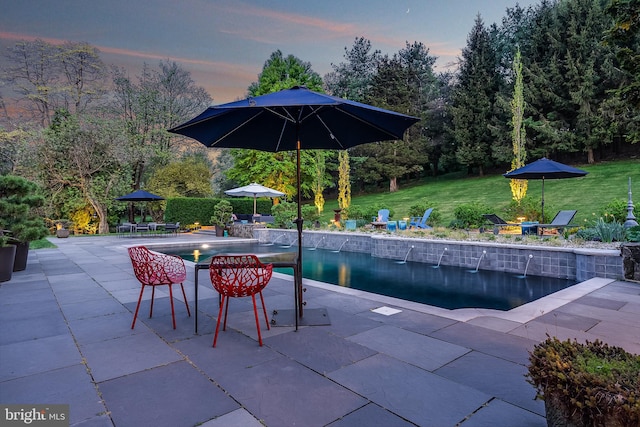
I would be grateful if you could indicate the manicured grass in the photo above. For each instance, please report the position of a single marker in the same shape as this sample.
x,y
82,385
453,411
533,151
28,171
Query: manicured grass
x,y
41,244
605,182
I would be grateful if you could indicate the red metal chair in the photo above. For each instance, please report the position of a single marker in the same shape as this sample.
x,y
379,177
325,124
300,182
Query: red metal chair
x,y
239,276
154,269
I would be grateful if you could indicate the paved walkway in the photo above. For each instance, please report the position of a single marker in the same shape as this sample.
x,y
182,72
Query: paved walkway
x,y
65,337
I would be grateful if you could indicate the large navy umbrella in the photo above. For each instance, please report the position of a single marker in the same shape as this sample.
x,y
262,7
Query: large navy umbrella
x,y
545,169
294,119
140,196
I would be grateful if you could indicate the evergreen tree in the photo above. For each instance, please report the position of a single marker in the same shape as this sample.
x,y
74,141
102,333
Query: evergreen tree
x,y
571,76
404,83
624,37
474,99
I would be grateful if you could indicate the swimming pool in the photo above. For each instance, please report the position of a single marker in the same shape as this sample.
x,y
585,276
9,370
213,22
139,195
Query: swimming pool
x,y
442,286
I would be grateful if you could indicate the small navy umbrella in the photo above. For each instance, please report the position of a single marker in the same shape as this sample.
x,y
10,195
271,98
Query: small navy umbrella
x,y
545,169
140,196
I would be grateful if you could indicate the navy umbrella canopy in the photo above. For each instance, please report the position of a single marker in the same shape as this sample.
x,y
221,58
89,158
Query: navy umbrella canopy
x,y
140,196
294,119
279,120
545,169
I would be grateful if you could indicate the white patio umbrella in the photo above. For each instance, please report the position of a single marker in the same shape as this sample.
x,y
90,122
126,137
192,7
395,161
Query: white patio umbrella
x,y
254,190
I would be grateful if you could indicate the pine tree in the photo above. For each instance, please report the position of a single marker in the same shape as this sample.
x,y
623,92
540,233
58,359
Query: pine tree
x,y
474,100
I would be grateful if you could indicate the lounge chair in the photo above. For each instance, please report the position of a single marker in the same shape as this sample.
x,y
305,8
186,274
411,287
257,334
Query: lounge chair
x,y
171,228
421,222
381,220
498,222
559,222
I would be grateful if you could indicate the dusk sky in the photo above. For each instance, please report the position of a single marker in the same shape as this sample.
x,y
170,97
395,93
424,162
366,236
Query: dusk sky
x,y
225,43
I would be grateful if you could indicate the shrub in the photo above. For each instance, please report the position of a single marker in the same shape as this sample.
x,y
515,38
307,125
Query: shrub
x,y
586,384
530,208
615,210
610,231
222,213
633,234
284,213
469,215
419,208
354,212
19,203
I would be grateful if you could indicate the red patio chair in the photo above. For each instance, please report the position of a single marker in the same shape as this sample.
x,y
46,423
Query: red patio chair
x,y
239,276
155,269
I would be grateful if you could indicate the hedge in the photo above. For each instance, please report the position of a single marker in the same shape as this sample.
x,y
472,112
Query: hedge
x,y
191,210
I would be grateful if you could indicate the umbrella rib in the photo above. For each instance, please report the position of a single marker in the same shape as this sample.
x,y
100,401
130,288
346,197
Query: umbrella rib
x,y
331,135
250,119
393,136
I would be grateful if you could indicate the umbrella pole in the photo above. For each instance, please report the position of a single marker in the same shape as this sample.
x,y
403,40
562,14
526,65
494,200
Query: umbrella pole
x,y
542,220
254,205
299,224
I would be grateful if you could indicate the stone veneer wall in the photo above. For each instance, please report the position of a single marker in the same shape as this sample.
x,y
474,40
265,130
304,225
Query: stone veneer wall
x,y
565,263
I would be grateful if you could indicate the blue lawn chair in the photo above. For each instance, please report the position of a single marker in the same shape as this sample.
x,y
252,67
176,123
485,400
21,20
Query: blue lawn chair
x,y
383,216
418,222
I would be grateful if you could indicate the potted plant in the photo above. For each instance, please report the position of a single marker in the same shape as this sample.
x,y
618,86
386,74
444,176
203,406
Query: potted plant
x,y
62,228
591,384
221,216
19,220
7,257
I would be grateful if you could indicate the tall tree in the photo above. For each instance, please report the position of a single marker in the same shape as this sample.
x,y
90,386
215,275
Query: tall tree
x,y
84,77
84,154
344,180
352,80
404,83
624,35
474,100
278,170
158,100
518,132
571,74
48,77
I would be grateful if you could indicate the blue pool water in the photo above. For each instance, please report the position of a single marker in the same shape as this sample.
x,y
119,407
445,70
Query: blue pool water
x,y
444,286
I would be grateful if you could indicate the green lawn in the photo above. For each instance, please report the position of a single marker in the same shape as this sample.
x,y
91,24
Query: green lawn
x,y
605,182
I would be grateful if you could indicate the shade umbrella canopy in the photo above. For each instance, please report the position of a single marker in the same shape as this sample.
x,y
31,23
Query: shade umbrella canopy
x,y
140,196
545,169
294,119
254,190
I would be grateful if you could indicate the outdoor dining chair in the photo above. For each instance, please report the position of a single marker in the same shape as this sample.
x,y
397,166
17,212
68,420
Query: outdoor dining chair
x,y
235,276
155,269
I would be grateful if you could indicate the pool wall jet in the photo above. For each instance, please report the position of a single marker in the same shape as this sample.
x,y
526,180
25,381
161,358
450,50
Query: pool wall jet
x,y
564,263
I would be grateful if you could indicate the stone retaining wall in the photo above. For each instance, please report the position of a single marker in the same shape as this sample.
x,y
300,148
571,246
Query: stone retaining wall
x,y
565,263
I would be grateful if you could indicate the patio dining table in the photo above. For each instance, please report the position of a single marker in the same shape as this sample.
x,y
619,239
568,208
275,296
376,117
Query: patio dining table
x,y
278,261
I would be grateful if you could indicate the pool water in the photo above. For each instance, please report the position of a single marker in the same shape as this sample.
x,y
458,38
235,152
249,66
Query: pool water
x,y
444,286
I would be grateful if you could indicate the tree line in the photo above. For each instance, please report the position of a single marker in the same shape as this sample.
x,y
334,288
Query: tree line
x,y
89,132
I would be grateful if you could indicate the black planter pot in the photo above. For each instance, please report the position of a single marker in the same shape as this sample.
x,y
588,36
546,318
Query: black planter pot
x,y
7,258
22,253
219,231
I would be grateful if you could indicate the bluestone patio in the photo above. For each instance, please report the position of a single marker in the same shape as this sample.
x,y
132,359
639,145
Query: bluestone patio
x,y
66,337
